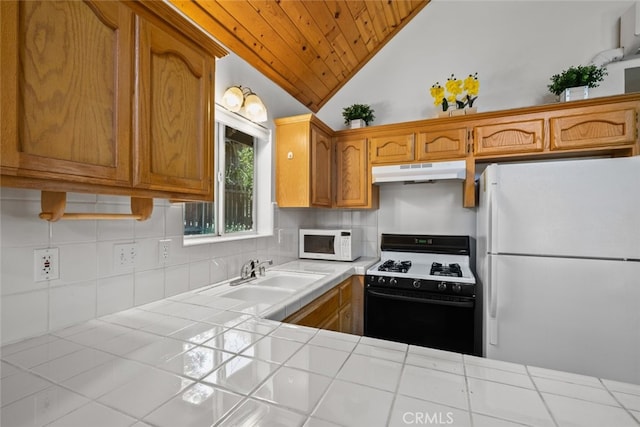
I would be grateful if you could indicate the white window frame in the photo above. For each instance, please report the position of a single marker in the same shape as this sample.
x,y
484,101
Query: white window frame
x,y
263,204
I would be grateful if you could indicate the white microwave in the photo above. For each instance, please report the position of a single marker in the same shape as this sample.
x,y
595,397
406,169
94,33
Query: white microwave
x,y
330,244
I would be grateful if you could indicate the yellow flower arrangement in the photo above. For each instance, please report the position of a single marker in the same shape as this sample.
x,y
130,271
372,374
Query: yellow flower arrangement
x,y
472,86
460,92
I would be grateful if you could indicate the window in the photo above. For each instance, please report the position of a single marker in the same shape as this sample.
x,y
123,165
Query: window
x,y
242,192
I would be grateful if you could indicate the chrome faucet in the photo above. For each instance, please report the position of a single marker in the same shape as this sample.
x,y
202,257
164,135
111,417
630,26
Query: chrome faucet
x,y
248,270
261,268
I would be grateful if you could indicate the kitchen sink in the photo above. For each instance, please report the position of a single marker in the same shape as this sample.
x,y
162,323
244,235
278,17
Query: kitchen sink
x,y
258,293
275,286
287,280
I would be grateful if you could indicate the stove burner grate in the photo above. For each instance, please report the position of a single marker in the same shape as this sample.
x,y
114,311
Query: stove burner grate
x,y
395,266
451,270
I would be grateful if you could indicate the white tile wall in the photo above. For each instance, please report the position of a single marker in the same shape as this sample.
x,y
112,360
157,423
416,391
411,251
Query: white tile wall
x,y
176,280
115,294
72,304
366,220
77,262
90,285
24,315
148,286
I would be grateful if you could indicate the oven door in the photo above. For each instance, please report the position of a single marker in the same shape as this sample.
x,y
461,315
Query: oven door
x,y
428,320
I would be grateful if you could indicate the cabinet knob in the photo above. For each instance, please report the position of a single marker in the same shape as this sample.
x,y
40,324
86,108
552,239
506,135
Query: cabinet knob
x,y
290,155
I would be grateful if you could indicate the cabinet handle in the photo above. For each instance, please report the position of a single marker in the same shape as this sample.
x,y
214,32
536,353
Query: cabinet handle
x,y
53,204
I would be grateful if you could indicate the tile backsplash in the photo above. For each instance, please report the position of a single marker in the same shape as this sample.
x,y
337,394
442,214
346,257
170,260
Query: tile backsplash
x,y
90,285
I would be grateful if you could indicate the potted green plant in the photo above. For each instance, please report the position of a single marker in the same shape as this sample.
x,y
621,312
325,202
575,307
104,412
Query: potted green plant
x,y
574,82
356,114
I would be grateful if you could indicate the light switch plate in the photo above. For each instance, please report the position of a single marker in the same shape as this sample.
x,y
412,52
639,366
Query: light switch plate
x,y
125,255
164,251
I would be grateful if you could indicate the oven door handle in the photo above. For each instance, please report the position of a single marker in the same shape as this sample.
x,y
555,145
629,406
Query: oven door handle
x,y
460,304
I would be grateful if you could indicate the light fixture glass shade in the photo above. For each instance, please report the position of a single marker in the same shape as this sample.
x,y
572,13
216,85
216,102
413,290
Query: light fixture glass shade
x,y
233,98
255,109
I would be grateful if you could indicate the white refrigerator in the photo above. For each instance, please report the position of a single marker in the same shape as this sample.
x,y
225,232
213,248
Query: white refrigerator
x,y
558,259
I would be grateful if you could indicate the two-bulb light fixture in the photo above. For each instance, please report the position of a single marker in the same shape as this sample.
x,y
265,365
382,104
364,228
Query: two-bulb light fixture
x,y
236,98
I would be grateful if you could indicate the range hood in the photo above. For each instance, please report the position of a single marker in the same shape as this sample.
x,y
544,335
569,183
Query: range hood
x,y
419,172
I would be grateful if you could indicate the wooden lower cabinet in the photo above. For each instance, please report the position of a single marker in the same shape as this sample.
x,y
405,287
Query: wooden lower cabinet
x,y
332,324
334,310
318,312
345,319
357,305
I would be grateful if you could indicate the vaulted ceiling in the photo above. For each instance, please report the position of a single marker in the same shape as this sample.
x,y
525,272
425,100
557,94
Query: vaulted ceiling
x,y
310,48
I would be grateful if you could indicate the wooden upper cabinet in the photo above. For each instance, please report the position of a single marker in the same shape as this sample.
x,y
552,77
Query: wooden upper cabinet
x,y
303,162
106,97
526,136
599,128
392,148
436,143
66,85
320,167
174,114
353,172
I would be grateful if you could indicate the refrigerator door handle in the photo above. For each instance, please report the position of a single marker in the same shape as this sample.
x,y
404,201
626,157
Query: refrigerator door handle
x,y
493,287
492,321
492,226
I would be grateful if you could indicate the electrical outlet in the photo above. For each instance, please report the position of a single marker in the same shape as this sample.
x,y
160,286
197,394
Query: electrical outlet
x,y
125,255
164,250
46,264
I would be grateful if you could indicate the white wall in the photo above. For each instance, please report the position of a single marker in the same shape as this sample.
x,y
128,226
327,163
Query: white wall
x,y
514,46
425,208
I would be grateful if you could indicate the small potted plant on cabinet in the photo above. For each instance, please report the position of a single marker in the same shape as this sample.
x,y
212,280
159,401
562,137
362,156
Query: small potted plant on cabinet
x,y
358,115
574,82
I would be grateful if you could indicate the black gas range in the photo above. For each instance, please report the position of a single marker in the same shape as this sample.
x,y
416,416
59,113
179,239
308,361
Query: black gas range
x,y
423,292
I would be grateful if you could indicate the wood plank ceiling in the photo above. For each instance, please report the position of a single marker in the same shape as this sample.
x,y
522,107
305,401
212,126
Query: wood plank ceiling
x,y
310,48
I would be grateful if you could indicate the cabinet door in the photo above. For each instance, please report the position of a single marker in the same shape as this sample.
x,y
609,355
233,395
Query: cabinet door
x,y
392,148
346,319
66,91
345,292
317,312
292,163
174,114
357,304
352,173
593,130
509,138
320,168
435,144
332,323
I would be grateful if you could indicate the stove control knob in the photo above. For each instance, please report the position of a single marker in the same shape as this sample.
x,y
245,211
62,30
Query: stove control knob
x,y
416,283
381,280
442,286
457,288
393,281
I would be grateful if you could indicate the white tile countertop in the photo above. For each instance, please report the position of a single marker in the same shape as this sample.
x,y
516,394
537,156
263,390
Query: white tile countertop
x,y
200,360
